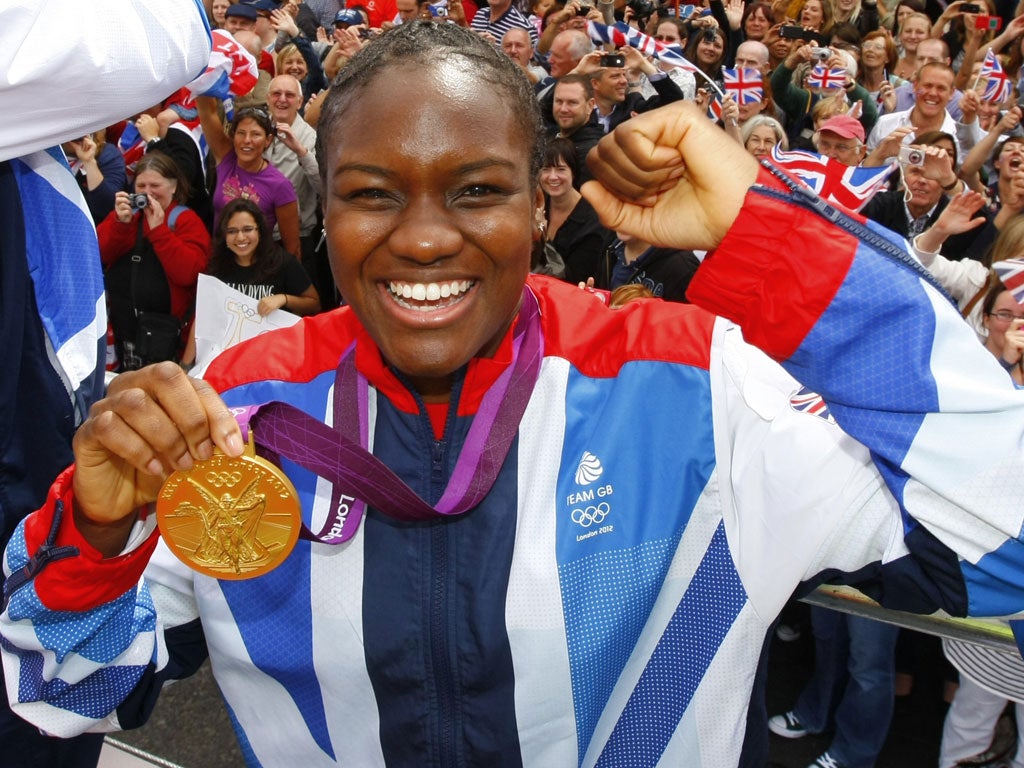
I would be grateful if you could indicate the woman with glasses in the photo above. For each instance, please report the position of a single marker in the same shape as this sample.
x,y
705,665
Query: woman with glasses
x,y
1004,321
243,171
246,257
878,57
969,281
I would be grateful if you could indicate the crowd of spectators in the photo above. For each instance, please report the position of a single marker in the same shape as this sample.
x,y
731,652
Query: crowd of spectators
x,y
234,189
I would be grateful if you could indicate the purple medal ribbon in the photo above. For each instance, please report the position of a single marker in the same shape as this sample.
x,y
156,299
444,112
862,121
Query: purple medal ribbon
x,y
339,453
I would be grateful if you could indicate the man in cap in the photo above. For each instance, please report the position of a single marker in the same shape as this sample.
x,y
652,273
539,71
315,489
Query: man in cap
x,y
263,27
841,137
239,18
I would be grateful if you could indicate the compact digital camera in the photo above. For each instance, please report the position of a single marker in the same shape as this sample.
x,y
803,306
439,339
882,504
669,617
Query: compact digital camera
x,y
911,156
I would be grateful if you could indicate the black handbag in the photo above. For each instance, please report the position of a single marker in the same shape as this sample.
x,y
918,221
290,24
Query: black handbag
x,y
149,335
157,337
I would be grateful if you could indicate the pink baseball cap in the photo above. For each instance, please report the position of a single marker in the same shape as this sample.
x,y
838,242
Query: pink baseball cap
x,y
845,126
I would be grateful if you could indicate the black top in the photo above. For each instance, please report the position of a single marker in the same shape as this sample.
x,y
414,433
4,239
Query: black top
x,y
581,242
289,278
666,272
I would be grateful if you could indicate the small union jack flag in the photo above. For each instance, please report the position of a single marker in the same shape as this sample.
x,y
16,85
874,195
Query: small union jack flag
x,y
715,107
745,85
826,78
806,401
1011,274
997,83
850,186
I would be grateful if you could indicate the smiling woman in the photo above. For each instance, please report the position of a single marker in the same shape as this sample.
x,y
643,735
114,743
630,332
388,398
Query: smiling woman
x,y
447,201
243,171
541,532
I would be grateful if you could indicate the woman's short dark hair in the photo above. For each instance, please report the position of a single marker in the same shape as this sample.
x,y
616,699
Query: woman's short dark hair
x,y
164,164
258,115
561,150
424,44
266,259
766,9
932,138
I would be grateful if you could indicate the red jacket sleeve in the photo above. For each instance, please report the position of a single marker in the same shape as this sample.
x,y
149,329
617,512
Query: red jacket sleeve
x,y
183,252
83,582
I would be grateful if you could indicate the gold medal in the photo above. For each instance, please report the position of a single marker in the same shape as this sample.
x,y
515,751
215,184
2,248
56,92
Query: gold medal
x,y
230,518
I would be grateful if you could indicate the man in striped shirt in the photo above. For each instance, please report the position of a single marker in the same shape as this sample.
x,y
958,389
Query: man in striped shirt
x,y
499,18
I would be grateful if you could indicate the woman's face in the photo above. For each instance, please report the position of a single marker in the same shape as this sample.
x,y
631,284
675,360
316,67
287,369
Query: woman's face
x,y
812,15
901,14
667,33
540,7
997,326
295,66
845,6
873,53
761,141
430,224
160,188
778,47
217,8
946,145
988,113
710,51
250,140
912,33
750,109
756,25
556,180
242,235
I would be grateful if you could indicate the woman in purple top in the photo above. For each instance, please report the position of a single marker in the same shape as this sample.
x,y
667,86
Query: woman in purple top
x,y
242,171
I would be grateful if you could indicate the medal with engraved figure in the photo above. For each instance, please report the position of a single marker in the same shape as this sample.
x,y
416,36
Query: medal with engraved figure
x,y
230,518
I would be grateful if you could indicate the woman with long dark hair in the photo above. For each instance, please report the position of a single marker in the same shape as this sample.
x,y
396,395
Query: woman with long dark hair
x,y
573,228
245,256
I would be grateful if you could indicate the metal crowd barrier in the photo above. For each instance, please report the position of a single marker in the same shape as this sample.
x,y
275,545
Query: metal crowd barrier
x,y
994,633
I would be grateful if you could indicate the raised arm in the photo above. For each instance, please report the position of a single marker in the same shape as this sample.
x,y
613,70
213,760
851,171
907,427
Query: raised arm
x,y
899,369
213,128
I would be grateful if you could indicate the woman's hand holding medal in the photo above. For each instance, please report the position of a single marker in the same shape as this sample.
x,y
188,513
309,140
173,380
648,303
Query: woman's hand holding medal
x,y
151,422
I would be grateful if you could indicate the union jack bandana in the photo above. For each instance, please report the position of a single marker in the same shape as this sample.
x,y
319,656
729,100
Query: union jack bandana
x,y
826,78
745,85
850,186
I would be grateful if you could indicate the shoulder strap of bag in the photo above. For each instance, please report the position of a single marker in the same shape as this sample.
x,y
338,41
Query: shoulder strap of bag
x,y
966,311
136,259
172,217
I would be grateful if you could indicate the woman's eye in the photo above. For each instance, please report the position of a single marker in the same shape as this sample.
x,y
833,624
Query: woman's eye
x,y
479,190
369,193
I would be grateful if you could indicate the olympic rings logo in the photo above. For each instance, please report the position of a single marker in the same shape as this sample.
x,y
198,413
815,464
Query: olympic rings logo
x,y
217,479
591,515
